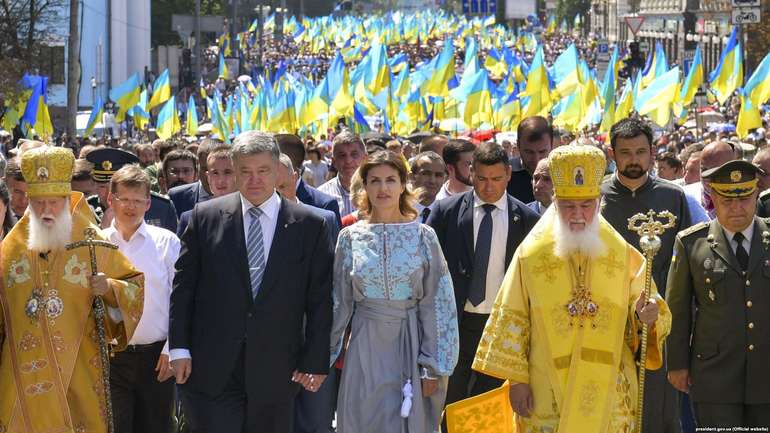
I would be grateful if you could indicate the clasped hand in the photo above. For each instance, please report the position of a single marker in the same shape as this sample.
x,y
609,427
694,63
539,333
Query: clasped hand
x,y
311,382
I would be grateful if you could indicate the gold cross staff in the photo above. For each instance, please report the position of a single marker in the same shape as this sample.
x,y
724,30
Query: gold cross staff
x,y
91,242
649,227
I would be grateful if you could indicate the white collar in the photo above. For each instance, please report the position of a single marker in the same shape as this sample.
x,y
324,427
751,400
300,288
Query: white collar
x,y
141,231
748,232
501,203
269,207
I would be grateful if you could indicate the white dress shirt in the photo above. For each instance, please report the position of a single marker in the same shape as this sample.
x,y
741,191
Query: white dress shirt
x,y
153,251
268,220
444,192
748,232
496,264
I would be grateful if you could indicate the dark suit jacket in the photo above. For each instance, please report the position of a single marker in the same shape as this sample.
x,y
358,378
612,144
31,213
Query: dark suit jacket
x,y
724,343
309,195
520,185
214,316
452,219
186,196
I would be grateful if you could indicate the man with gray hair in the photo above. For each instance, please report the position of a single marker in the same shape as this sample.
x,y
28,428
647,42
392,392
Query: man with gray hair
x,y
251,303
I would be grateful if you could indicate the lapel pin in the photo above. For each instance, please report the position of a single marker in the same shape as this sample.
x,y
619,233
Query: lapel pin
x,y
515,218
712,296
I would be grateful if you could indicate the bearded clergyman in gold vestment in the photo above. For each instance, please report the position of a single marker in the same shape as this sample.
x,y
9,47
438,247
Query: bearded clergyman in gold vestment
x,y
50,368
565,326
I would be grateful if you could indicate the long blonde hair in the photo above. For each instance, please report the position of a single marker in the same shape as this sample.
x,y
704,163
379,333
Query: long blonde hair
x,y
361,199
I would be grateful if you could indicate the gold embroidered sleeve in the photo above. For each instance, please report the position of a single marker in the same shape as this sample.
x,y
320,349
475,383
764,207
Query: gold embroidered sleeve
x,y
657,334
128,289
503,350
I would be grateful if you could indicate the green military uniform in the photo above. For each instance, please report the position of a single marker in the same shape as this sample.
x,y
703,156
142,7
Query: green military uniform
x,y
718,291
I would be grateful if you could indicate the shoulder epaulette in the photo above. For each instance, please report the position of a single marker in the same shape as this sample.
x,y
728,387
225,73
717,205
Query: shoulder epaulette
x,y
690,230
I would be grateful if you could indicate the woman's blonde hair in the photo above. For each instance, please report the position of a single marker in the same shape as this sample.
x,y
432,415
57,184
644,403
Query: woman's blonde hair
x,y
361,199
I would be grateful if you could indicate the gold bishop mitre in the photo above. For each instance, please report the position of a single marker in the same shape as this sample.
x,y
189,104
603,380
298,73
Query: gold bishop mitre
x,y
48,171
577,171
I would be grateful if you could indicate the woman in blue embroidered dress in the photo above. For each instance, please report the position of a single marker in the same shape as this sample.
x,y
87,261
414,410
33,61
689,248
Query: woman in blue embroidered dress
x,y
392,285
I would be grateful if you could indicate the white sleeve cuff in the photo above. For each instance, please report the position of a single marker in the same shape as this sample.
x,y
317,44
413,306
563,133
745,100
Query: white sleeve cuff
x,y
179,354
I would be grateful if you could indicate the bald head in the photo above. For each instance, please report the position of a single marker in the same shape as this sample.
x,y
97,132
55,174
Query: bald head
x,y
716,154
762,160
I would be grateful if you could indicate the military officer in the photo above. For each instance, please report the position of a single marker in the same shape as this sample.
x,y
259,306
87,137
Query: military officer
x,y
722,268
107,161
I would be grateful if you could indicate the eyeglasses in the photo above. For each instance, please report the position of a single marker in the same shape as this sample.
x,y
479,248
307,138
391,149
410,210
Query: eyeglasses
x,y
130,202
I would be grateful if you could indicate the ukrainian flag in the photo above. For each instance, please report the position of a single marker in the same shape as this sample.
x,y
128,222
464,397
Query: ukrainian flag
x,y
656,66
565,71
223,71
96,116
728,74
168,122
657,98
749,117
694,79
758,86
126,95
36,112
191,125
161,90
443,71
139,112
538,88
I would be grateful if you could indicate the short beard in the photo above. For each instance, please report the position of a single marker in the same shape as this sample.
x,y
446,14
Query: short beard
x,y
633,172
586,241
43,238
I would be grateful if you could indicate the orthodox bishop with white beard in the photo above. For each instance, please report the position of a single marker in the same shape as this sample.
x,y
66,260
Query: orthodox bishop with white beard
x,y
50,366
563,330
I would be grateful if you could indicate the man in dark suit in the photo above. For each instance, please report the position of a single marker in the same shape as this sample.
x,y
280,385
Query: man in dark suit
x,y
479,231
720,354
534,139
253,269
186,196
292,146
542,187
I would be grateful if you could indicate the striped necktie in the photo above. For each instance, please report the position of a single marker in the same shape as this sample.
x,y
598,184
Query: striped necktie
x,y
255,249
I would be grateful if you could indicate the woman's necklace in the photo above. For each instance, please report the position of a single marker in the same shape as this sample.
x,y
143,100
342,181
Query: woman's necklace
x,y
581,306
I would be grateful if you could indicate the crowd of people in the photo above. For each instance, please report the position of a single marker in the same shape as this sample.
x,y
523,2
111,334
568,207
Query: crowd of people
x,y
369,283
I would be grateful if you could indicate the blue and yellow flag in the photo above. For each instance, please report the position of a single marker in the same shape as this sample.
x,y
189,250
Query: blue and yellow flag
x,y
126,95
96,116
223,71
758,86
694,79
728,75
191,126
168,121
161,90
657,99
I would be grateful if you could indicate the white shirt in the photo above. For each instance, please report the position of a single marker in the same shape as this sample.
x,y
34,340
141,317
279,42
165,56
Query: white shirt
x,y
153,251
748,232
444,192
496,264
268,220
318,171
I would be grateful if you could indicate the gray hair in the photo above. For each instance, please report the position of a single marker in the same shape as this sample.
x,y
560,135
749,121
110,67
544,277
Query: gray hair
x,y
254,142
286,162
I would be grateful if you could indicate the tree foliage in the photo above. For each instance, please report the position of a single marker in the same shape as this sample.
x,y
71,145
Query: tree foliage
x,y
567,9
24,29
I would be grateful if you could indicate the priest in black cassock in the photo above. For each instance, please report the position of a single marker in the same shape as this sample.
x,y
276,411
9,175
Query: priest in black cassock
x,y
631,190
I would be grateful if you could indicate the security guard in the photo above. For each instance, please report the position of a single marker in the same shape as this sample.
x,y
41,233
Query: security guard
x,y
106,162
720,354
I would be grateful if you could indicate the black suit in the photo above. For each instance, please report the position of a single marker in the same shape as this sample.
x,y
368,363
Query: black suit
x,y
309,195
452,219
244,350
185,197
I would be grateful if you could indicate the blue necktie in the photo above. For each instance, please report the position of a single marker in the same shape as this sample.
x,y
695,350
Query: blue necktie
x,y
478,289
255,249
